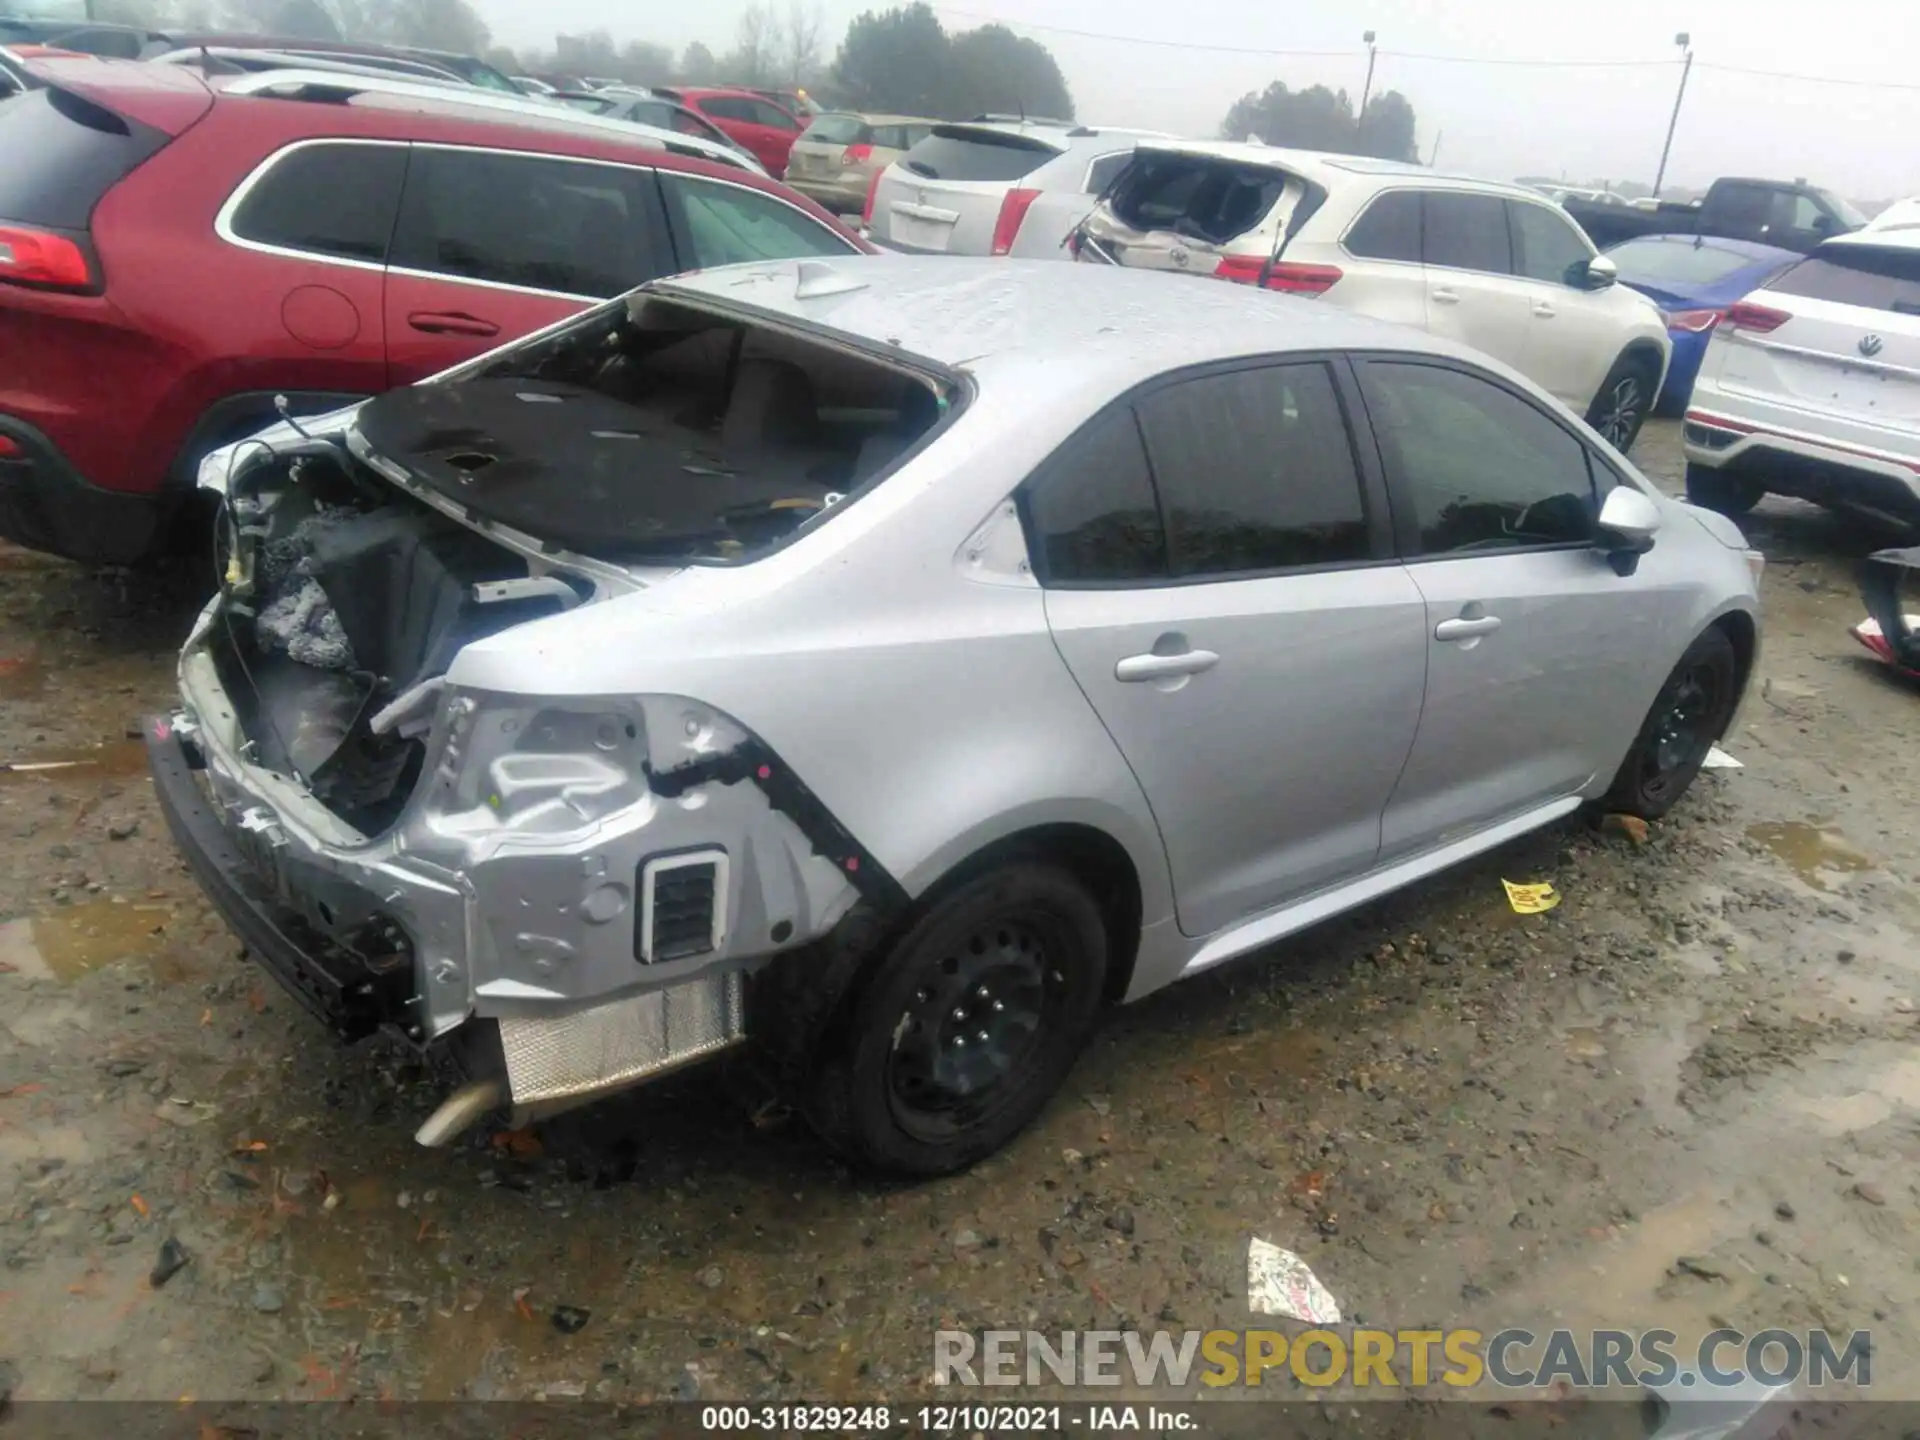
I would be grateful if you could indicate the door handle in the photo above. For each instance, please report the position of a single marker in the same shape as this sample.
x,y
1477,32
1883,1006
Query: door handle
x,y
1136,668
1446,297
1466,629
451,322
1544,310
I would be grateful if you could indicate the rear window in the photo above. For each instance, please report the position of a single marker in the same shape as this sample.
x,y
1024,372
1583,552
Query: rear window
x,y
1200,198
837,130
62,154
1872,276
899,137
954,152
1676,262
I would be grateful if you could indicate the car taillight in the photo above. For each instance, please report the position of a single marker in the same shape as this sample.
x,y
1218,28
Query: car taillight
x,y
856,154
34,257
1282,275
9,447
1694,322
1744,315
873,188
1013,210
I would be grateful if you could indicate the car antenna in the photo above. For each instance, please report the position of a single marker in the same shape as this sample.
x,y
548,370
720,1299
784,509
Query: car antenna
x,y
285,407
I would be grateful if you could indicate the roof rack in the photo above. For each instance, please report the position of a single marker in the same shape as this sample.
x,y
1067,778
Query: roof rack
x,y
247,59
307,83
998,119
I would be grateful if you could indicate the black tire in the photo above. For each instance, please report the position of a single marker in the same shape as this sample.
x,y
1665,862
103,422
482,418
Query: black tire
x,y
1731,495
1688,716
1625,400
891,1091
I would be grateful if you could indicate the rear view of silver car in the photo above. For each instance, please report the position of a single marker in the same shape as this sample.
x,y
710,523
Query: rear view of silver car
x,y
996,187
840,155
895,662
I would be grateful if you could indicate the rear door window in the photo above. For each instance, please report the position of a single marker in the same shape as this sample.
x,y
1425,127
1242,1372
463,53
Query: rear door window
x,y
1545,246
760,112
716,224
335,199
1466,232
957,152
1388,229
530,221
61,154
1875,277
726,107
1255,472
1481,468
1091,512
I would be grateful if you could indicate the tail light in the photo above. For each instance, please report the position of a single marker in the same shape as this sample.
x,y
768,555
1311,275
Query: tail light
x,y
1694,322
34,257
873,188
856,154
1760,319
1282,275
9,448
1013,210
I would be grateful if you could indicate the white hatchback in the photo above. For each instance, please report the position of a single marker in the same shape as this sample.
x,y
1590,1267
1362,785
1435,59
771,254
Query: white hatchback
x,y
1494,266
1811,386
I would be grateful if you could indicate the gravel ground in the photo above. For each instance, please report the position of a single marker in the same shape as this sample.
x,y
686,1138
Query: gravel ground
x,y
1458,1115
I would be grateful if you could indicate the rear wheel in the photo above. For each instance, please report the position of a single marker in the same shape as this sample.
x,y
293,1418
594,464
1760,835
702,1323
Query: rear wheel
x,y
1714,489
1688,716
957,1038
1624,402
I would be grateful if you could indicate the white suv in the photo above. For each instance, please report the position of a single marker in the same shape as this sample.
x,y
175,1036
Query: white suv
x,y
1811,386
996,185
1493,266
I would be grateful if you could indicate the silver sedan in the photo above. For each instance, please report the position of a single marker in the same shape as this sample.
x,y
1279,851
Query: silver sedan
x,y
896,662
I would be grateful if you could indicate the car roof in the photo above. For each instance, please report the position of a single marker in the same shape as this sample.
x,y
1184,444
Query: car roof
x,y
880,117
1317,164
1895,238
975,312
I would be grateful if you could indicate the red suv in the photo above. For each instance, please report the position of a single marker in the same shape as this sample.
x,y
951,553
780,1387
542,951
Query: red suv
x,y
174,256
753,120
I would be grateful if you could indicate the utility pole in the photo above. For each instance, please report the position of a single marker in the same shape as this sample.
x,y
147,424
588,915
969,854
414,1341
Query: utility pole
x,y
1434,158
1360,120
1685,42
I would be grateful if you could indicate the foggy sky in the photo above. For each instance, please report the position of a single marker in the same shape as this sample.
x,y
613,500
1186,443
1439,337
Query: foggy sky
x,y
1495,120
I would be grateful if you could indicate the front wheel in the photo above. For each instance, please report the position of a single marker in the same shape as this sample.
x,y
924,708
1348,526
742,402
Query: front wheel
x,y
1625,399
958,1036
1688,716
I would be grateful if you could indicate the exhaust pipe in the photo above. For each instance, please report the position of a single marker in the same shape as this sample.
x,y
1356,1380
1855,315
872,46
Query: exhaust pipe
x,y
460,1110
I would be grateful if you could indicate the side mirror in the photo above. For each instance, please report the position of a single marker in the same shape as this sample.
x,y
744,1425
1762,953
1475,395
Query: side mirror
x,y
1599,273
1824,225
1628,523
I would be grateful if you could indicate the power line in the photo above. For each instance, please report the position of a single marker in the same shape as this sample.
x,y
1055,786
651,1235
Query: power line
x,y
1202,45
1417,55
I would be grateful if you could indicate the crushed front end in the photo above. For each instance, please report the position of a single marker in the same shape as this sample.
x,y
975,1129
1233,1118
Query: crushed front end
x,y
563,893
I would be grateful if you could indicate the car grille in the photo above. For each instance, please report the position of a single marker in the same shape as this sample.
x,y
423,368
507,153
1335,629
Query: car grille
x,y
683,906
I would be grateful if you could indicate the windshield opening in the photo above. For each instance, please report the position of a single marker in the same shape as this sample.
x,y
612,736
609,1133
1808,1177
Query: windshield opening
x,y
653,432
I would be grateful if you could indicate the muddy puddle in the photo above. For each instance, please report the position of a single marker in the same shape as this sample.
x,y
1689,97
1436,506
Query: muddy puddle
x,y
66,944
1818,854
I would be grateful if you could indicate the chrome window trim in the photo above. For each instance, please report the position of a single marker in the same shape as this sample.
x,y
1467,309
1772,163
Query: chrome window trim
x,y
223,221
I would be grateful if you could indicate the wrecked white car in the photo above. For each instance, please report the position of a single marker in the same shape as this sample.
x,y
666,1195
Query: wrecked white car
x,y
895,662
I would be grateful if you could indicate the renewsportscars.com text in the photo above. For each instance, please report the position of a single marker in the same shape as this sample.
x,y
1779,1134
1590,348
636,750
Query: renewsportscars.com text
x,y
1512,1359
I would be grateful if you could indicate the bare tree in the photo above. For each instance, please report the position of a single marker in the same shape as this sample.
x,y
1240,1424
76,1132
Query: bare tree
x,y
801,38
755,57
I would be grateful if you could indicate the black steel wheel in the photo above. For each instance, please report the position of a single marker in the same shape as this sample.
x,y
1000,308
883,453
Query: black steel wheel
x,y
956,1037
1688,717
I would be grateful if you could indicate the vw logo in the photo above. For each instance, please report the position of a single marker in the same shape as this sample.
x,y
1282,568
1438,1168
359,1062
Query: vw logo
x,y
1179,257
1870,344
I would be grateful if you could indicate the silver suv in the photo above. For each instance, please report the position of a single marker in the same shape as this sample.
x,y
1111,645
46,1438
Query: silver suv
x,y
895,662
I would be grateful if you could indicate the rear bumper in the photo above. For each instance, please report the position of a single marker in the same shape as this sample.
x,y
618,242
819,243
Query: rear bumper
x,y
1790,460
839,196
47,504
338,988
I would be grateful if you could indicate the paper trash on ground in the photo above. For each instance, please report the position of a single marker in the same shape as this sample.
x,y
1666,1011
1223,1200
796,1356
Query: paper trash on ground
x,y
1531,899
1718,759
1279,1283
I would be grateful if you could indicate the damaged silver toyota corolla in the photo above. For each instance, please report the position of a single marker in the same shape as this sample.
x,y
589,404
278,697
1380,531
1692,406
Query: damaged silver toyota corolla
x,y
895,661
